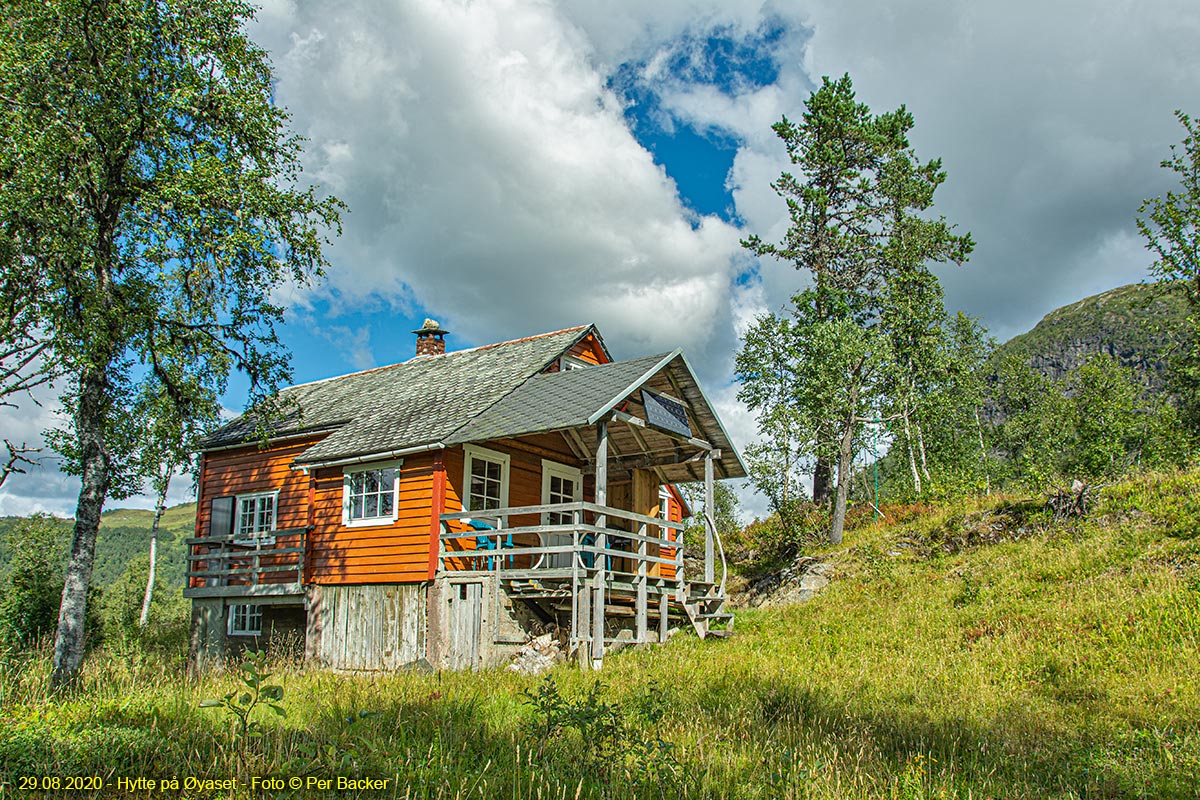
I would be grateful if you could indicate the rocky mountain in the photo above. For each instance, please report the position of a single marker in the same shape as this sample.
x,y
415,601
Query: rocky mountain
x,y
1135,324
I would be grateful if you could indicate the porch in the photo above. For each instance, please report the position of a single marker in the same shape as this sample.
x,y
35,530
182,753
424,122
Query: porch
x,y
595,567
232,566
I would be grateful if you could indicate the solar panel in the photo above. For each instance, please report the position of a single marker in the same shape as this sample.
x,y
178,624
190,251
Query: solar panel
x,y
666,414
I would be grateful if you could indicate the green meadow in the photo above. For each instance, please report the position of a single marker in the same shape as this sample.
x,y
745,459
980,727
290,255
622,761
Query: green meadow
x,y
981,650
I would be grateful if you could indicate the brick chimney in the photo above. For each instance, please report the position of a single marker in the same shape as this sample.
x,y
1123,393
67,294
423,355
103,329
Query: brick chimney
x,y
429,339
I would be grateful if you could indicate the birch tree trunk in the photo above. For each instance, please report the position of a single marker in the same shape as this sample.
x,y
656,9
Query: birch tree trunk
x,y
159,509
89,422
845,456
912,458
921,450
987,480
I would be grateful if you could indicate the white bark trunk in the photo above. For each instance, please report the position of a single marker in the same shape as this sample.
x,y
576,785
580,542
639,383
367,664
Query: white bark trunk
x,y
159,509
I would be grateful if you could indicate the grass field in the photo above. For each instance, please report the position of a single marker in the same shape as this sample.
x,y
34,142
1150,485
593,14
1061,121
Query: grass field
x,y
974,652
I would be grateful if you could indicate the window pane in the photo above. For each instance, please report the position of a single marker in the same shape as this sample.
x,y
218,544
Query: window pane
x,y
371,506
371,481
356,508
385,504
493,471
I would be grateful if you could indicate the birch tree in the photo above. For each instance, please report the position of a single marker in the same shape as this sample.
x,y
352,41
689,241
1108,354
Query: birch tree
x,y
154,192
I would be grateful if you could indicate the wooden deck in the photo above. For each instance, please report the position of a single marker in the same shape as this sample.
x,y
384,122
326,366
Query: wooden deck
x,y
642,579
231,566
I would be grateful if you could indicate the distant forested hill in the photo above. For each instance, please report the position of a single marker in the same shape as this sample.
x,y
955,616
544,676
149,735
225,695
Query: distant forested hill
x,y
124,535
1135,324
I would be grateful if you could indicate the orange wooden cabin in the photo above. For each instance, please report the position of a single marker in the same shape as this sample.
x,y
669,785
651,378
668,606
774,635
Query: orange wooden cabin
x,y
446,508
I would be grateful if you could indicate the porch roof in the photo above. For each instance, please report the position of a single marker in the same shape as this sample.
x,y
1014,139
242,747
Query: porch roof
x,y
573,401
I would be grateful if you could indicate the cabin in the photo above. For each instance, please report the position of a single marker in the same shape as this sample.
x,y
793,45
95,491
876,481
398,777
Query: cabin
x,y
443,510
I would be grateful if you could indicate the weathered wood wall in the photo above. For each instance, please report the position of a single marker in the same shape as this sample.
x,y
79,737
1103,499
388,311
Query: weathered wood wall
x,y
369,628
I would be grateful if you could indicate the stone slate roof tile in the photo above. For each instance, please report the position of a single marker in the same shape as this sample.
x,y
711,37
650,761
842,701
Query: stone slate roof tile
x,y
555,401
420,401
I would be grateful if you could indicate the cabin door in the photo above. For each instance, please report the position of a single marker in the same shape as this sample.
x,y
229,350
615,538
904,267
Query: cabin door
x,y
466,614
560,484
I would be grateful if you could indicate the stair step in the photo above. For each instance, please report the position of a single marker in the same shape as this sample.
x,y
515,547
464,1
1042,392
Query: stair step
x,y
720,634
717,615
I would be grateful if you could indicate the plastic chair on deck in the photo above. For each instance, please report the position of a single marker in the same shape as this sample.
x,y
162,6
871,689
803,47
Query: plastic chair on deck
x,y
484,542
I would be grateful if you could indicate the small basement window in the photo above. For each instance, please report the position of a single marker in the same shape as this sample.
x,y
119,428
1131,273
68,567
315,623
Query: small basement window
x,y
245,620
369,495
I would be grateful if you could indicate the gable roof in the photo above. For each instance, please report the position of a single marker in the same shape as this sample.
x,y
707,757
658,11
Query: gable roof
x,y
577,399
416,402
492,392
556,400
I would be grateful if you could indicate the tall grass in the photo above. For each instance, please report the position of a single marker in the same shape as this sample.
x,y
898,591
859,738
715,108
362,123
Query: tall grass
x,y
971,652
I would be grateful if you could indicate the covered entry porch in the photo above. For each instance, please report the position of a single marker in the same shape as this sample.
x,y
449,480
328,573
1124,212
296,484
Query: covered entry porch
x,y
611,566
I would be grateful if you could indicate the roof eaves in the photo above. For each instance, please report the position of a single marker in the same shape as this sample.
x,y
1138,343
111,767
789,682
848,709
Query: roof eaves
x,y
716,417
647,375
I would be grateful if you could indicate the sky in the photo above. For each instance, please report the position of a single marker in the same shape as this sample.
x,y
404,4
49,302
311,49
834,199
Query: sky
x,y
519,166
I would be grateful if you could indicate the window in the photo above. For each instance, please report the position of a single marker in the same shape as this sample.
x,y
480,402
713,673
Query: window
x,y
560,484
485,479
369,495
571,362
256,515
245,620
664,503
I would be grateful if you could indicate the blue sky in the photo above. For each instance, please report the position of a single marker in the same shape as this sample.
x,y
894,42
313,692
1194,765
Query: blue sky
x,y
516,166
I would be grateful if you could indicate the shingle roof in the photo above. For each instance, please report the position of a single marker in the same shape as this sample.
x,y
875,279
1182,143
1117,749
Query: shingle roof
x,y
557,400
417,402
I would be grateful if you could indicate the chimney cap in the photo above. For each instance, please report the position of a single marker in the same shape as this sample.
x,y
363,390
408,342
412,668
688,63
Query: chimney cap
x,y
429,328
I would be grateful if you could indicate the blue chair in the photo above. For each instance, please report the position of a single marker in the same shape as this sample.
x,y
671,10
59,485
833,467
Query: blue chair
x,y
483,542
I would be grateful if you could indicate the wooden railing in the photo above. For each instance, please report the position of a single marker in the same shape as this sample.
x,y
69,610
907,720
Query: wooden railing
x,y
518,548
510,552
229,566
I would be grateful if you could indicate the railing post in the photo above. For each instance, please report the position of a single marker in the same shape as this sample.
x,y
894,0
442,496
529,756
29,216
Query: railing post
x,y
641,585
709,546
601,545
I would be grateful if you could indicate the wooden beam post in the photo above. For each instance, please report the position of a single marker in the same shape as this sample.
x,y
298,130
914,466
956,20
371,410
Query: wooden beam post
x,y
601,545
663,599
641,587
709,545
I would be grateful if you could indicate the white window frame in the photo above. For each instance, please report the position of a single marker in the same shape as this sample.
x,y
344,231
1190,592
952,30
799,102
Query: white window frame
x,y
472,453
252,613
257,536
552,469
571,362
348,472
664,502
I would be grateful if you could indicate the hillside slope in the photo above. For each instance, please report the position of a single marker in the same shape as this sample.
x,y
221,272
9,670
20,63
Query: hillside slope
x,y
983,651
1135,324
125,535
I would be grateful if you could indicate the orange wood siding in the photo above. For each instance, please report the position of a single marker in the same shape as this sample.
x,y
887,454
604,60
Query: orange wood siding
x,y
674,514
589,350
391,553
249,470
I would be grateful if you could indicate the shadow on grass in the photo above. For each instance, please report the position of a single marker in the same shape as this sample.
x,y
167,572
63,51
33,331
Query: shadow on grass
x,y
1016,753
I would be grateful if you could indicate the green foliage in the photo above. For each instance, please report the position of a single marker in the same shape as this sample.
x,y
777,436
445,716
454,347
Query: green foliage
x,y
1105,401
1037,423
33,584
1172,230
123,601
152,193
610,738
859,203
256,692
